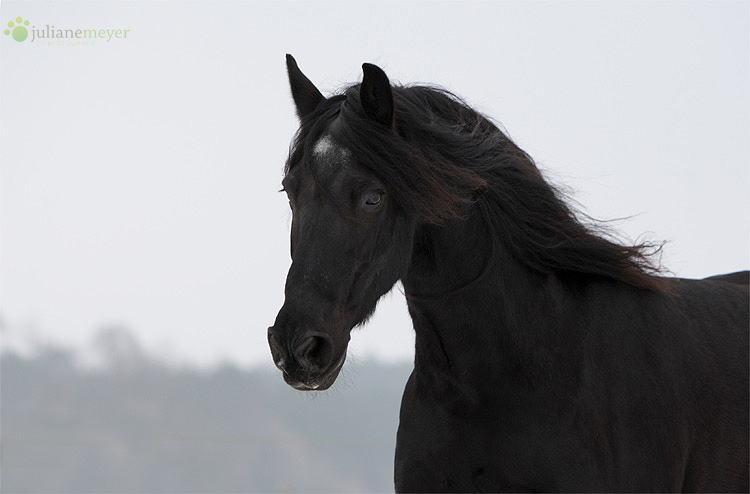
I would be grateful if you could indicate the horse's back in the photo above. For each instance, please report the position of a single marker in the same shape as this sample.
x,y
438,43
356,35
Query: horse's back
x,y
738,277
719,314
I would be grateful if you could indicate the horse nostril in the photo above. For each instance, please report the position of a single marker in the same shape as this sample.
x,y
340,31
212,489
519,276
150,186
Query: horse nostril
x,y
315,352
277,351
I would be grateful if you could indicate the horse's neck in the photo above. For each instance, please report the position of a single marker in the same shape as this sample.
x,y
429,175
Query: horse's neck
x,y
476,309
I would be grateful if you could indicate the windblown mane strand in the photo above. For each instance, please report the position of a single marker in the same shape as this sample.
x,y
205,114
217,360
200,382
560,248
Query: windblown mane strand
x,y
444,156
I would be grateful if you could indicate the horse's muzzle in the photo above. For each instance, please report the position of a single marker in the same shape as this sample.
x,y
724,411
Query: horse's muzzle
x,y
307,363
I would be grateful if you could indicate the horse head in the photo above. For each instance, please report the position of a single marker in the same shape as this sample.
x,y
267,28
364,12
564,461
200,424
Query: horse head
x,y
349,241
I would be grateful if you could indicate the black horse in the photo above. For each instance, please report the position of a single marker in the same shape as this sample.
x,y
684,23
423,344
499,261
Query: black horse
x,y
549,357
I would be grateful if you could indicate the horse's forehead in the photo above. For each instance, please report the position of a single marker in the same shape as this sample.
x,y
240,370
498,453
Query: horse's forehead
x,y
325,145
330,159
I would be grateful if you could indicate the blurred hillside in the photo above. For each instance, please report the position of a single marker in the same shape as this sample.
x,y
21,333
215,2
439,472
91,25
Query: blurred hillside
x,y
135,425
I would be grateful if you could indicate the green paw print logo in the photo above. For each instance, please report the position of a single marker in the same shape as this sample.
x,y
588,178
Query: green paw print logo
x,y
17,29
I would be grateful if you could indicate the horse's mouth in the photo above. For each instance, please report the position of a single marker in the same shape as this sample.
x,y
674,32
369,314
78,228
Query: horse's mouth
x,y
320,382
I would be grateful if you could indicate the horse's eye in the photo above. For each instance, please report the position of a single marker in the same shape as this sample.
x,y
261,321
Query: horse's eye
x,y
374,199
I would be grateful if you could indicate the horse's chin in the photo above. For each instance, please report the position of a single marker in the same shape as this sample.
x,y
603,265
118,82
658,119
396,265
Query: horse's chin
x,y
320,382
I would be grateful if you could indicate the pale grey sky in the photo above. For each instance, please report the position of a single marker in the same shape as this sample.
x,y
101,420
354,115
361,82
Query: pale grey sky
x,y
138,177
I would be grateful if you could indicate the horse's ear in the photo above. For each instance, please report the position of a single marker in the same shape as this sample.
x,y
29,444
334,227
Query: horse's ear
x,y
375,94
306,95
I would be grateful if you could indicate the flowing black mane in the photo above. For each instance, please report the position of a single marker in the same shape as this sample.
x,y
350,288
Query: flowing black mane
x,y
445,157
